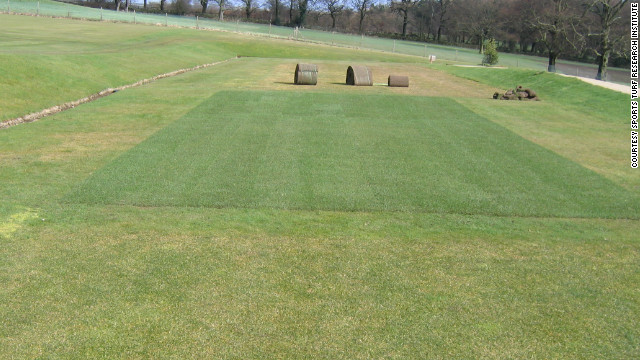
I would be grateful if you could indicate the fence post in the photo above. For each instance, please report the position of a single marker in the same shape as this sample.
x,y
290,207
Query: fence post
x,y
394,46
9,6
68,12
166,19
38,9
425,50
269,28
134,16
101,13
197,25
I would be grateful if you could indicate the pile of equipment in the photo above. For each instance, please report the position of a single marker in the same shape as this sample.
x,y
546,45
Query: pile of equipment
x,y
518,93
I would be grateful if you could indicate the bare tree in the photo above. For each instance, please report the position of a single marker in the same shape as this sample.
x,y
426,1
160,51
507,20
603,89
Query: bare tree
x,y
403,7
222,4
275,8
556,22
303,7
481,21
334,7
362,7
204,4
292,3
425,11
443,7
607,12
249,7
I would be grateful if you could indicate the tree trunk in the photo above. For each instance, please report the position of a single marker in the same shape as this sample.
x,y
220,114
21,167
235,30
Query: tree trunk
x,y
333,21
603,62
276,21
220,14
439,33
145,4
603,59
302,12
405,21
290,11
552,61
204,4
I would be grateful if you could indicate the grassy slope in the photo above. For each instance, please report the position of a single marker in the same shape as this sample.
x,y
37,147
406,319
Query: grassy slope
x,y
108,281
584,123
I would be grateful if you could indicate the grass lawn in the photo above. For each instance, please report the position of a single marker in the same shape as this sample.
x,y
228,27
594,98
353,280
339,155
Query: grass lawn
x,y
226,213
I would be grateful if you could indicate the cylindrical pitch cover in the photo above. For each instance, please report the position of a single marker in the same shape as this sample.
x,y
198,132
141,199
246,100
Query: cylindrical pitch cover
x,y
398,81
306,74
359,75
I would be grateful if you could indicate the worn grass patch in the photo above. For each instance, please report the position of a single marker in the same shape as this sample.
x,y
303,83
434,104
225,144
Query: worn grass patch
x,y
350,152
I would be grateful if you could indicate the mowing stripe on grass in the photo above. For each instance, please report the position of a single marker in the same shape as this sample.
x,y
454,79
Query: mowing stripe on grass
x,y
287,150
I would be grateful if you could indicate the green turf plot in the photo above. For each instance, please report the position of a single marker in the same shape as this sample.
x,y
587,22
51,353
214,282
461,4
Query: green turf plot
x,y
350,153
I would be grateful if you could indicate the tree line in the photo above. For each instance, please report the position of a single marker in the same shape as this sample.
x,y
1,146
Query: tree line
x,y
595,31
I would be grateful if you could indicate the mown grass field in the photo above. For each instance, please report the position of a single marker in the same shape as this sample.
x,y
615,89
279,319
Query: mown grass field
x,y
226,213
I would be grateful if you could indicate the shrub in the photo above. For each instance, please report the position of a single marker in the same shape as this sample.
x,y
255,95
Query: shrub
x,y
490,53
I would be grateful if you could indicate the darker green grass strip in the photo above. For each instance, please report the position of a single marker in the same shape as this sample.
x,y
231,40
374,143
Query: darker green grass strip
x,y
287,150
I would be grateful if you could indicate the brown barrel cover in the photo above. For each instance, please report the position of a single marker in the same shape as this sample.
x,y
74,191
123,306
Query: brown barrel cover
x,y
359,75
306,74
398,81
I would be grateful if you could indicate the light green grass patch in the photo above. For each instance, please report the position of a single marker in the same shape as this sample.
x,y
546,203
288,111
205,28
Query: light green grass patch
x,y
172,281
350,152
15,221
